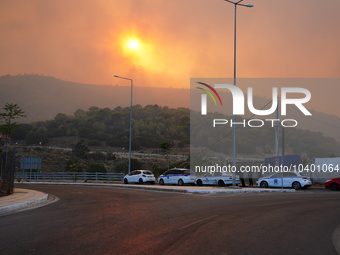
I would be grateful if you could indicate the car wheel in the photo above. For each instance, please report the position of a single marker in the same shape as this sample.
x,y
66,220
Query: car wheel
x,y
180,182
161,182
296,185
199,182
126,181
140,181
221,183
264,184
334,186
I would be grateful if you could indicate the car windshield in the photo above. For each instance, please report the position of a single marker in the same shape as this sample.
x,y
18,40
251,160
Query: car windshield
x,y
147,172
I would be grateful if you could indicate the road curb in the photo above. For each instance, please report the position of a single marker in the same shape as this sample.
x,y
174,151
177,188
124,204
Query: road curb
x,y
231,191
22,205
181,189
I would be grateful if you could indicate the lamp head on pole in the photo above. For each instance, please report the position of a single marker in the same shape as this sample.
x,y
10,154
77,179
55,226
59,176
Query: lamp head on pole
x,y
120,77
239,3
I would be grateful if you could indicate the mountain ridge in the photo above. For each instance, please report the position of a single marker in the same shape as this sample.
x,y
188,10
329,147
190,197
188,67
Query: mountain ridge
x,y
43,97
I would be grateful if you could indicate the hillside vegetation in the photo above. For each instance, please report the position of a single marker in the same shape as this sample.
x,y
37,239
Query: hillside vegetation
x,y
103,127
43,97
153,125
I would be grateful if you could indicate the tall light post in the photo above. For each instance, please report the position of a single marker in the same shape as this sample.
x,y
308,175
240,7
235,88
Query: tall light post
x,y
234,117
130,129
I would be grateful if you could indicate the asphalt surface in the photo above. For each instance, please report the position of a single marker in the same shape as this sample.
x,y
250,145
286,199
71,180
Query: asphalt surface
x,y
93,220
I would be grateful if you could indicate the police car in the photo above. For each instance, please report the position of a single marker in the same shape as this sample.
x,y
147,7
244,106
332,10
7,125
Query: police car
x,y
178,176
290,180
220,179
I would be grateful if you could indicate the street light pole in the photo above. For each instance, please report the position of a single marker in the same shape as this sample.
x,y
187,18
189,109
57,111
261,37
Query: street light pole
x,y
235,38
130,129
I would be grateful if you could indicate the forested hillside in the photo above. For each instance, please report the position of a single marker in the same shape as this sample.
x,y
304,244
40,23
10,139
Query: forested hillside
x,y
43,97
154,124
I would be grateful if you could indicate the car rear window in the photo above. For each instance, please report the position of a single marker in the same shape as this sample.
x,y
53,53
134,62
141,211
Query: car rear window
x,y
147,172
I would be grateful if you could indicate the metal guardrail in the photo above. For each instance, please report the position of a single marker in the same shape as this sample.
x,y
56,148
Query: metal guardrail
x,y
68,176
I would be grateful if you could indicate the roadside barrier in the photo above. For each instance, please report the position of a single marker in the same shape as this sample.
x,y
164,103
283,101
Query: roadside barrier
x,y
68,177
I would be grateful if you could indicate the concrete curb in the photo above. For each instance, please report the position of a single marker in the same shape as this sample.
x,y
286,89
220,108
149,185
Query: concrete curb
x,y
22,205
231,191
182,189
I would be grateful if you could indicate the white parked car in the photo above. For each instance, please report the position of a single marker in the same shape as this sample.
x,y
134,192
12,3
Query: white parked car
x,y
178,176
220,179
140,176
290,180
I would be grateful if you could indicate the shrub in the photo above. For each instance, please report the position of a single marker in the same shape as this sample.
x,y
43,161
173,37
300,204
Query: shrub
x,y
74,166
122,165
100,168
97,156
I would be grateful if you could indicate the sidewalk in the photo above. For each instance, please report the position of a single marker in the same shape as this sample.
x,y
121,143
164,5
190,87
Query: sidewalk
x,y
21,199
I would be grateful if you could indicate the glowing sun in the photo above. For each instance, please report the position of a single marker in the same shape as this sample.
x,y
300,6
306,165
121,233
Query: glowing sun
x,y
133,44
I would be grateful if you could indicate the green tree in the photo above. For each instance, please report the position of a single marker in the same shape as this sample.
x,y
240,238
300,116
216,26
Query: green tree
x,y
37,136
166,147
7,127
74,166
80,150
7,123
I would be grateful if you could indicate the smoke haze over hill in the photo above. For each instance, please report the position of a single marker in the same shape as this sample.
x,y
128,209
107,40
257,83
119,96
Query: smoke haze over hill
x,y
43,97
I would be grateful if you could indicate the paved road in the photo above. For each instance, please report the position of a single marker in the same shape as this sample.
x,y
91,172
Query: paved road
x,y
90,220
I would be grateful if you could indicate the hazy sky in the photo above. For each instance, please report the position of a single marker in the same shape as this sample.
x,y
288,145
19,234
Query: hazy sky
x,y
86,40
